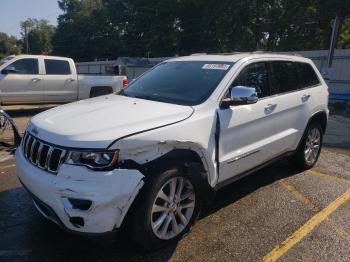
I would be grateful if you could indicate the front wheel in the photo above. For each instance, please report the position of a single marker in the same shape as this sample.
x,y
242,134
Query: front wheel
x,y
310,147
165,210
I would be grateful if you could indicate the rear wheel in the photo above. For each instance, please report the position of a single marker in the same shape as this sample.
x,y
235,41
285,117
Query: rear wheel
x,y
310,147
165,210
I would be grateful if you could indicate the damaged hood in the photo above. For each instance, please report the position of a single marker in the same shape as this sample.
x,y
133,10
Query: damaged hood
x,y
95,123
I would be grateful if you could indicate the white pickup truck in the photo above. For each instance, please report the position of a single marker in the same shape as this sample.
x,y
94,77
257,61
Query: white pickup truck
x,y
31,79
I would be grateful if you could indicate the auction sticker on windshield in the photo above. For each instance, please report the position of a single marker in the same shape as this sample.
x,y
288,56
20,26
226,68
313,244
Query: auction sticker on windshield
x,y
216,66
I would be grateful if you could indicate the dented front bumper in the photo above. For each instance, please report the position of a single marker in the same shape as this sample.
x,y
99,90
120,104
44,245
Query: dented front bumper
x,y
106,195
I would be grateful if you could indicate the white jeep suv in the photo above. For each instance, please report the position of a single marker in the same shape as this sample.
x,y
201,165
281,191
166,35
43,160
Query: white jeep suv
x,y
152,154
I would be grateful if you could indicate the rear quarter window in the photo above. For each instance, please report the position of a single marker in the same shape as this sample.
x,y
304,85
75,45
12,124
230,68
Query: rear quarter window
x,y
284,77
57,67
307,74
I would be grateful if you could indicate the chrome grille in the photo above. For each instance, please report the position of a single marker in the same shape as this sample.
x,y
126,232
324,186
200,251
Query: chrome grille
x,y
41,154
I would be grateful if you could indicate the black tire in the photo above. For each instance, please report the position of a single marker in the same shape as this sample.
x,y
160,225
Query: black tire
x,y
300,157
141,218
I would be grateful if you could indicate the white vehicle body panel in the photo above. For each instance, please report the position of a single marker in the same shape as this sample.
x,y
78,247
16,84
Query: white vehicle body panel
x,y
228,141
102,119
111,192
60,88
20,88
88,81
51,88
256,134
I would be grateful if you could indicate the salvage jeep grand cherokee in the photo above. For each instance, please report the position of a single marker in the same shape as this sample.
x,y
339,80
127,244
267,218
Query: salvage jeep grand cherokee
x,y
152,154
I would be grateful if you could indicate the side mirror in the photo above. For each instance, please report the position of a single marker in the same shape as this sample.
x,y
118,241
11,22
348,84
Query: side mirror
x,y
9,70
240,95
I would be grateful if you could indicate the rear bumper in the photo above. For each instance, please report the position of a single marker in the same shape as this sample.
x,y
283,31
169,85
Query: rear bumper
x,y
110,193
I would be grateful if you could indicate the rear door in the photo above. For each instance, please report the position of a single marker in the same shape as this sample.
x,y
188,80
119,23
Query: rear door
x,y
292,98
24,84
60,81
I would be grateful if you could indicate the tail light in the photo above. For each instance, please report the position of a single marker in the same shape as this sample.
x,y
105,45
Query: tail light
x,y
125,82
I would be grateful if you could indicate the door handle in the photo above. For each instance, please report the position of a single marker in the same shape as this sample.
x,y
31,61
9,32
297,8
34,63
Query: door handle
x,y
305,97
35,80
270,107
70,80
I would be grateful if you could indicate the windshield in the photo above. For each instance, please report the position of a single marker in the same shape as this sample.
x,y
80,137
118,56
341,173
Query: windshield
x,y
4,60
180,82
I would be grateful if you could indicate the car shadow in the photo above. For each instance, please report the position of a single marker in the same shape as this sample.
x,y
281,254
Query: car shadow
x,y
23,229
247,185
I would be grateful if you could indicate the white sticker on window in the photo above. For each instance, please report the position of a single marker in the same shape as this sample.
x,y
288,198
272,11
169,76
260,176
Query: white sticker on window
x,y
216,66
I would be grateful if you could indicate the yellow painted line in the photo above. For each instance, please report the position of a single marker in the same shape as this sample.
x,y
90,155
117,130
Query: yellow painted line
x,y
297,194
7,166
319,173
298,235
345,235
338,230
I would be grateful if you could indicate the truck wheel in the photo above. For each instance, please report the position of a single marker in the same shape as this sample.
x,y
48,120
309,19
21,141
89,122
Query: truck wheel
x,y
166,208
100,91
310,147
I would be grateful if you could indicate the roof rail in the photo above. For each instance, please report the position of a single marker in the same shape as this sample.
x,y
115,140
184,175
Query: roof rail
x,y
198,54
229,53
252,52
276,53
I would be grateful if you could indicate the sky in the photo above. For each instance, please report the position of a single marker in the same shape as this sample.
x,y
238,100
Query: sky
x,y
12,12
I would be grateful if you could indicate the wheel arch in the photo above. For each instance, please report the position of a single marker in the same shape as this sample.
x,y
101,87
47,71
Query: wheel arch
x,y
321,118
194,166
104,89
190,160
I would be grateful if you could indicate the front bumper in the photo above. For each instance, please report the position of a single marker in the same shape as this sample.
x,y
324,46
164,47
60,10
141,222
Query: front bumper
x,y
111,194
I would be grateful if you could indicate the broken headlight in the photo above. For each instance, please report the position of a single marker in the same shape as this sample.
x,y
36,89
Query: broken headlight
x,y
93,160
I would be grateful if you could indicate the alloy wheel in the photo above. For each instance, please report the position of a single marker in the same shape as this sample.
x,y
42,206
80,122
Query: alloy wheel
x,y
173,208
312,146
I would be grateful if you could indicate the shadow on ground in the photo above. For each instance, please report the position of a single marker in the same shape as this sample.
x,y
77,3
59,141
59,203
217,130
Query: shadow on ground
x,y
26,112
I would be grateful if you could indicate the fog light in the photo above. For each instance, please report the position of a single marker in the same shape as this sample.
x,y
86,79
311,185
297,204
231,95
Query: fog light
x,y
77,221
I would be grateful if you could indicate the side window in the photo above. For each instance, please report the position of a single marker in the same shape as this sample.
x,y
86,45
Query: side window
x,y
25,66
307,75
284,77
57,67
254,75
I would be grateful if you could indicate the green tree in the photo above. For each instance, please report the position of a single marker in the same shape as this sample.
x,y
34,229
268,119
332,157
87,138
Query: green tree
x,y
90,29
39,33
83,30
344,37
9,45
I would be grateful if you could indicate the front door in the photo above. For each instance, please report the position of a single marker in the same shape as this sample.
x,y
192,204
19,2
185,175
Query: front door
x,y
23,84
244,129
